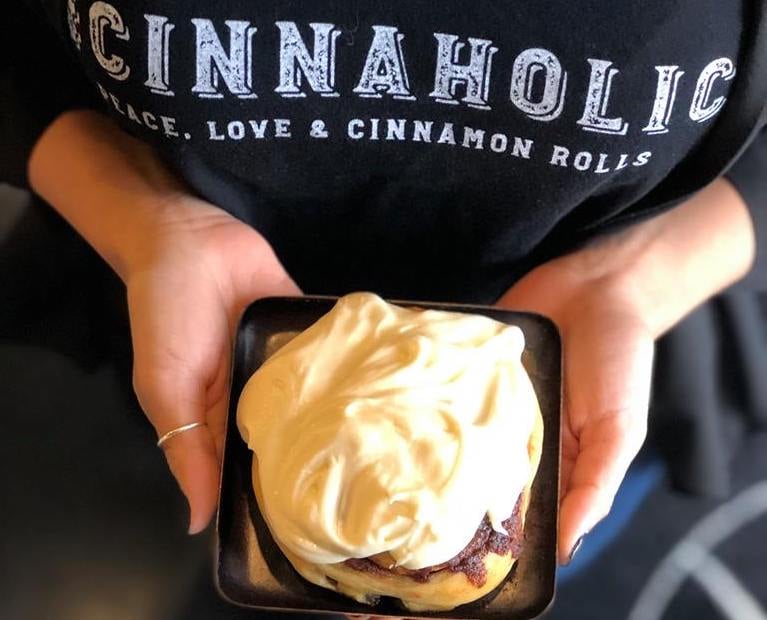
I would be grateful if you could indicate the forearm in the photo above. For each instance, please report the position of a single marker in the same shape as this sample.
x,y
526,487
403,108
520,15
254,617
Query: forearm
x,y
676,261
110,187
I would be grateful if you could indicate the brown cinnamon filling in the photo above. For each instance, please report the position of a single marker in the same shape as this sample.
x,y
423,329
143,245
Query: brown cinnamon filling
x,y
470,561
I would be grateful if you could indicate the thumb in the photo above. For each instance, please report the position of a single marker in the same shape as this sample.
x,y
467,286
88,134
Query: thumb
x,y
265,281
259,273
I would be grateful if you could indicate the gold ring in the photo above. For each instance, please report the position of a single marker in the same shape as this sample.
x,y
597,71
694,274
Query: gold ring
x,y
178,431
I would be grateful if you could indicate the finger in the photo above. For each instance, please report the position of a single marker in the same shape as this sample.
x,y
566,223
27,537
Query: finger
x,y
593,482
218,402
217,416
608,439
525,296
193,461
170,401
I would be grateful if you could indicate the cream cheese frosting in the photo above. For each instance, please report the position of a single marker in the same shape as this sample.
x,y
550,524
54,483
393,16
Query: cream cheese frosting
x,y
382,429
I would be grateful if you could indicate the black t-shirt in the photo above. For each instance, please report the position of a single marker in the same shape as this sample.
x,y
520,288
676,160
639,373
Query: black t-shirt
x,y
417,149
433,150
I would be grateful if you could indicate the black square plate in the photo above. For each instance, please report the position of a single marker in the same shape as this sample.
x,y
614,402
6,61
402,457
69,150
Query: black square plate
x,y
252,572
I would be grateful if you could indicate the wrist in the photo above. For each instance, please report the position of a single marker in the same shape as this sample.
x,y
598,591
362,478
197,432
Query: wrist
x,y
135,231
111,188
674,262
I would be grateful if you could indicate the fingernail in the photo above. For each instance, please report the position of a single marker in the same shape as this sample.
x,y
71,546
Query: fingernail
x,y
193,531
576,546
194,528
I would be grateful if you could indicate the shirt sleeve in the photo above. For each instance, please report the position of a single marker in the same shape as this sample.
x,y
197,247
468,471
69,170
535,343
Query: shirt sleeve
x,y
39,80
749,175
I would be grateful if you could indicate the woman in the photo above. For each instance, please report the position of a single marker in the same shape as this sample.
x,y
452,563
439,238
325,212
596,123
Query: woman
x,y
598,163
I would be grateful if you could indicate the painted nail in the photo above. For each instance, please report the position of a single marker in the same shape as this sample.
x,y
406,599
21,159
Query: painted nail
x,y
576,546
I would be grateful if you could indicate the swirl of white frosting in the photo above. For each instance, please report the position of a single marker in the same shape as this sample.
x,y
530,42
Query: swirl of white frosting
x,y
385,429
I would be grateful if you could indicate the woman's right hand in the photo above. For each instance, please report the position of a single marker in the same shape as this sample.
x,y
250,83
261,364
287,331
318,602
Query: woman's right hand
x,y
189,267
201,268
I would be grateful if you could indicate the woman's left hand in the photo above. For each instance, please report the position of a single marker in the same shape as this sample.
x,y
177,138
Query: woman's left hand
x,y
608,352
610,301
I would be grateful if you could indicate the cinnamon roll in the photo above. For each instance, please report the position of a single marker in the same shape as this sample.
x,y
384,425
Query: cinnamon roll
x,y
395,450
